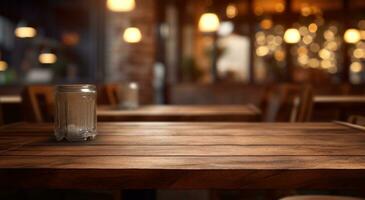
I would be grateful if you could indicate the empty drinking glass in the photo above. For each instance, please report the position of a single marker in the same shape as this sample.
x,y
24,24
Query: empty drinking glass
x,y
75,117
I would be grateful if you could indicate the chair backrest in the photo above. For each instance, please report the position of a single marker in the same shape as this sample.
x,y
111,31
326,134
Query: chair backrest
x,y
111,91
38,102
302,106
279,102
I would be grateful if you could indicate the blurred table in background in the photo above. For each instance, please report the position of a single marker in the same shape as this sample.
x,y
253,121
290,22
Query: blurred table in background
x,y
202,113
339,99
6,99
10,108
337,107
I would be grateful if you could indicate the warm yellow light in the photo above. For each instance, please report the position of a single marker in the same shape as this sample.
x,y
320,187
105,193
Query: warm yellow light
x,y
312,27
121,5
262,51
266,24
332,46
47,58
258,11
356,67
209,22
132,35
279,55
352,35
231,11
358,53
292,36
3,65
302,50
313,63
25,32
326,64
324,54
362,34
279,7
303,59
307,39
305,10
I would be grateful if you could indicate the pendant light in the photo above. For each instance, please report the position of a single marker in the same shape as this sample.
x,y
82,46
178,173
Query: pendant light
x,y
47,57
352,36
209,22
132,35
24,31
121,5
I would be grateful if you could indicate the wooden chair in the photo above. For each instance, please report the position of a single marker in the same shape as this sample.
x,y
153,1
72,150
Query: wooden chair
x,y
302,106
38,103
319,197
279,101
111,91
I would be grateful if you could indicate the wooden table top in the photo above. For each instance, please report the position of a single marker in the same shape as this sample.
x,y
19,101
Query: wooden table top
x,y
202,113
10,99
339,99
186,156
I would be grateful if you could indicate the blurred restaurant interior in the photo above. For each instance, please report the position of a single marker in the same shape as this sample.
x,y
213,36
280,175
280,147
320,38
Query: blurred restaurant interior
x,y
187,61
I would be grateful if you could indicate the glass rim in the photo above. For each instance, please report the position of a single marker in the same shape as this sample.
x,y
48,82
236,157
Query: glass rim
x,y
76,88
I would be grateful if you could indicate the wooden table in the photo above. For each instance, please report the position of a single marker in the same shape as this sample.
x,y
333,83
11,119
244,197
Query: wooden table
x,y
186,156
201,113
339,107
339,99
13,99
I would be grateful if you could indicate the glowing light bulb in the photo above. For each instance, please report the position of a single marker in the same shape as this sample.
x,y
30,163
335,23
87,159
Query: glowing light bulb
x,y
292,36
312,27
25,32
231,11
121,5
47,58
209,22
352,35
132,35
266,24
3,65
133,85
356,67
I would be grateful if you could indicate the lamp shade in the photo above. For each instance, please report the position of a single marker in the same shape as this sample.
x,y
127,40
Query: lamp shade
x,y
209,22
47,58
121,5
132,35
24,31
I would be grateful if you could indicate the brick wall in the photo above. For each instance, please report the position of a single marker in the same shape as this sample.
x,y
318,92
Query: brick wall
x,y
132,62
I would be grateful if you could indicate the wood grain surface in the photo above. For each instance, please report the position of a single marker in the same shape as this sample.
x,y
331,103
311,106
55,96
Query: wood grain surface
x,y
186,155
176,113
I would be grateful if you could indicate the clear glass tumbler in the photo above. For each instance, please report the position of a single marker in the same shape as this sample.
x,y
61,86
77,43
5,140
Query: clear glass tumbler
x,y
75,116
